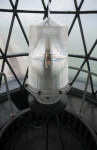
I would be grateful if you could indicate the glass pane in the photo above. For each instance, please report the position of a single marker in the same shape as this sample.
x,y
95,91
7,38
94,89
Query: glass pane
x,y
83,76
29,19
5,4
17,42
75,40
30,5
77,62
89,5
46,2
89,23
94,53
62,5
5,20
63,19
78,2
19,65
72,63
93,66
80,81
14,1
12,83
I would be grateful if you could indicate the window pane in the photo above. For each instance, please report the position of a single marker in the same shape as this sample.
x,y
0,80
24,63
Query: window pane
x,y
30,5
77,62
17,41
46,2
72,63
19,65
75,40
30,19
5,4
89,5
5,20
93,66
80,81
89,23
12,83
78,2
14,1
63,19
62,5
94,53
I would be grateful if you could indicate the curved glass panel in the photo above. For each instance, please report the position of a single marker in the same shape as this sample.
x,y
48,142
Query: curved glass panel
x,y
68,18
89,5
94,53
75,41
30,5
5,4
17,42
19,65
28,19
4,28
62,5
89,23
72,62
93,66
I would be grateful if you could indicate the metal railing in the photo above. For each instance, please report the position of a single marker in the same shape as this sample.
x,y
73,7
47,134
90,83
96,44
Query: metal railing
x,y
86,85
12,113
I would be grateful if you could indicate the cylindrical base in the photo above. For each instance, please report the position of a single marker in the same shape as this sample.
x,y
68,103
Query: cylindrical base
x,y
47,109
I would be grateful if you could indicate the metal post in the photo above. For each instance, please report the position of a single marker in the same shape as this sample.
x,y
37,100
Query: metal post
x,y
84,95
8,94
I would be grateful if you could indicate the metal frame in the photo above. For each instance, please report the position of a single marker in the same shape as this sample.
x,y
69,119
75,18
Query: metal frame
x,y
77,13
86,86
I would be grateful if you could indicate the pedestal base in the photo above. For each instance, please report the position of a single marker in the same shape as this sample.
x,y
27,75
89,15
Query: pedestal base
x,y
47,109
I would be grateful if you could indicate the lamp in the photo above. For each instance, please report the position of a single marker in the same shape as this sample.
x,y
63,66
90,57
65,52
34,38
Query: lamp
x,y
48,71
48,61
